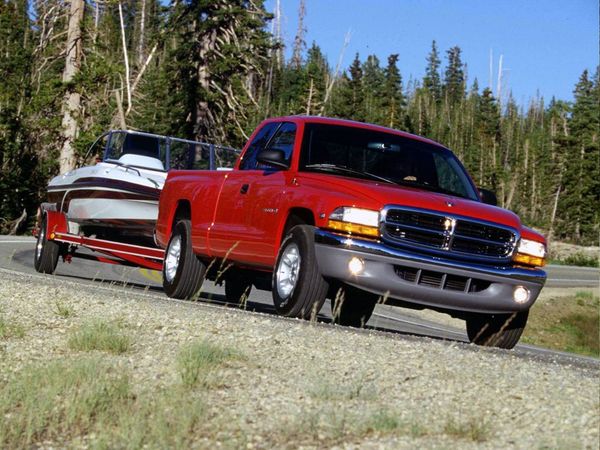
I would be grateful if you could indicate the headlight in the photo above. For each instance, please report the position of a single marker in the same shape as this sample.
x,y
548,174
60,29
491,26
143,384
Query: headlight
x,y
355,221
529,252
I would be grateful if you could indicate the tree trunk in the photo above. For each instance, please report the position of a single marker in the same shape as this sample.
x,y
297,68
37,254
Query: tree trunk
x,y
142,35
72,99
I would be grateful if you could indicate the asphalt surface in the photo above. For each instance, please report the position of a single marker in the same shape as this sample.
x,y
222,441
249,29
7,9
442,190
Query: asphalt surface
x,y
16,255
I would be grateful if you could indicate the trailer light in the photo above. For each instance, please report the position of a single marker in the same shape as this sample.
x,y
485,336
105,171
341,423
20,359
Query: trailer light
x,y
356,266
355,221
521,294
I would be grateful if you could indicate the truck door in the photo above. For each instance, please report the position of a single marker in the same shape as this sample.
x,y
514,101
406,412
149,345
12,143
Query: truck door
x,y
246,217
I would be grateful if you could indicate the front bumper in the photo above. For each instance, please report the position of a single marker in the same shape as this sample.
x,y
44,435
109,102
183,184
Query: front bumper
x,y
384,266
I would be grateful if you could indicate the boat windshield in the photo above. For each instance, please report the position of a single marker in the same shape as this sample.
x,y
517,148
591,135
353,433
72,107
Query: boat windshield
x,y
385,157
139,150
161,153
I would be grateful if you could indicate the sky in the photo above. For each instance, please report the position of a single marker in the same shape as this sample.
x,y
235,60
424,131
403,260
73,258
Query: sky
x,y
545,44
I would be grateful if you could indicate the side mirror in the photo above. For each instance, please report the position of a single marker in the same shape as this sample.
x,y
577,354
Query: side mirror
x,y
488,197
274,157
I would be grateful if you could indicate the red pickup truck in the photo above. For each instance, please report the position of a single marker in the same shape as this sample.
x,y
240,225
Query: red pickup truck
x,y
320,208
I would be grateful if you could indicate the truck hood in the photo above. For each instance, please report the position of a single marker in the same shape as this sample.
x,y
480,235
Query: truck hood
x,y
381,194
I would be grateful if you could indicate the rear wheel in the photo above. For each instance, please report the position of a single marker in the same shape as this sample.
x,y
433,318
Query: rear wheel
x,y
45,257
183,272
496,330
299,289
353,307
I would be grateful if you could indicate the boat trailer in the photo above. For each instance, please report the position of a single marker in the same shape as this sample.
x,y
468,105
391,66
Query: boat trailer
x,y
111,252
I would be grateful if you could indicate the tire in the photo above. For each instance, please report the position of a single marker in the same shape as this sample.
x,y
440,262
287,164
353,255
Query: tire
x,y
353,307
237,285
496,330
45,256
183,273
299,289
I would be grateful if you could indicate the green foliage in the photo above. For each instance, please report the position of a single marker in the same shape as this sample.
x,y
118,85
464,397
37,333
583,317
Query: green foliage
x,y
209,70
100,335
58,400
10,330
197,361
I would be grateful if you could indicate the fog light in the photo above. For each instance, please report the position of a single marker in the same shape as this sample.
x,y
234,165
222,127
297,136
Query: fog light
x,y
521,294
356,265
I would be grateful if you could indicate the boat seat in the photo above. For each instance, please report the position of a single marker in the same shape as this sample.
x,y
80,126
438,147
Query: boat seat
x,y
148,162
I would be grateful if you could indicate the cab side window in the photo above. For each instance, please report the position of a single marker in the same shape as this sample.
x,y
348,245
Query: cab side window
x,y
258,144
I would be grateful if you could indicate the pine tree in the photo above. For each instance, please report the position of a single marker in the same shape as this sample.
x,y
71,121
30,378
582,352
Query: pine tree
x,y
578,208
432,81
373,80
393,98
317,73
218,45
349,96
454,77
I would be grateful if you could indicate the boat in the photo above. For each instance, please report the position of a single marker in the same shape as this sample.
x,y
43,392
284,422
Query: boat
x,y
116,198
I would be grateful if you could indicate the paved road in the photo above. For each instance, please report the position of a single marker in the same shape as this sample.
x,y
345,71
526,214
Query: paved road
x,y
16,254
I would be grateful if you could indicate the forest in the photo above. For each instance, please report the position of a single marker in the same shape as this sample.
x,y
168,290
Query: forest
x,y
211,70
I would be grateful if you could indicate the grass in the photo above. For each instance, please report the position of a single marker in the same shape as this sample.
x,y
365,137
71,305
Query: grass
x,y
87,403
11,330
100,335
63,310
58,400
331,425
198,361
476,430
570,323
354,390
577,259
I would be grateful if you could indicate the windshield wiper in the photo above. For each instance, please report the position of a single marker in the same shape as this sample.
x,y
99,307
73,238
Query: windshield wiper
x,y
348,170
429,187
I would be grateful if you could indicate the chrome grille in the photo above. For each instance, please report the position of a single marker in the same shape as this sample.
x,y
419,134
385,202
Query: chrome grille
x,y
447,233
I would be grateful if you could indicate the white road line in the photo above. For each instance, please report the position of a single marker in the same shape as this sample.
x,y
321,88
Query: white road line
x,y
17,242
421,325
554,280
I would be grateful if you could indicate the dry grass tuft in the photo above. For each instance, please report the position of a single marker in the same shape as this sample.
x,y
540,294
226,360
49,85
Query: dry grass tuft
x,y
476,430
100,335
11,330
197,361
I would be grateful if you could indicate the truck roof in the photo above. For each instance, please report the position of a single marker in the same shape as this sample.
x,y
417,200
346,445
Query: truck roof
x,y
351,123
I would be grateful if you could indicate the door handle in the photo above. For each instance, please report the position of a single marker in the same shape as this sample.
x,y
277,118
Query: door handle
x,y
244,188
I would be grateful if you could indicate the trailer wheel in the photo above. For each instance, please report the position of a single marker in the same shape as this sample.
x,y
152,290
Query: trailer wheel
x,y
353,307
299,289
496,330
183,273
45,257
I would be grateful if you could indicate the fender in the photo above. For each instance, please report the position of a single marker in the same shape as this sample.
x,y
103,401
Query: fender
x,y
56,222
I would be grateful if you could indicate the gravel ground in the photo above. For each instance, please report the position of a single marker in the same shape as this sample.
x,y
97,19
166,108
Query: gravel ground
x,y
315,386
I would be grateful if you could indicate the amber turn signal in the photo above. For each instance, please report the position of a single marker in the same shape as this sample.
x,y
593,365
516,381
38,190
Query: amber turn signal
x,y
353,228
529,260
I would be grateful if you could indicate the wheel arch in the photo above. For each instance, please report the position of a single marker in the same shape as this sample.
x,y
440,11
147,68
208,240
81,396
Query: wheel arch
x,y
296,216
182,210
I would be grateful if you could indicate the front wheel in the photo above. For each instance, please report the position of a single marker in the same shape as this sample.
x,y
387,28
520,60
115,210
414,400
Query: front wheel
x,y
496,330
183,273
353,307
45,257
299,289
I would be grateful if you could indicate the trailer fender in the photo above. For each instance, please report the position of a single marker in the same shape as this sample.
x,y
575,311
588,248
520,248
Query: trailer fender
x,y
56,222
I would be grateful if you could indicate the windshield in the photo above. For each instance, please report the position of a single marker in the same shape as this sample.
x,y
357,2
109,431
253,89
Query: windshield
x,y
375,155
